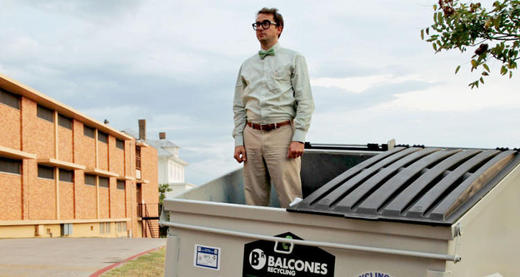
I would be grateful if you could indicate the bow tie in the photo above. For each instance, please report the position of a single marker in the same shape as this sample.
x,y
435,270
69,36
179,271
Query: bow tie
x,y
263,53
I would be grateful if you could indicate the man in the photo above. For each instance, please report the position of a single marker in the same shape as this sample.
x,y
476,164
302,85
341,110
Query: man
x,y
272,112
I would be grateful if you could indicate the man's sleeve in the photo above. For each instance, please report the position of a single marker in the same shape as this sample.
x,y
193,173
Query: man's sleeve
x,y
239,111
303,95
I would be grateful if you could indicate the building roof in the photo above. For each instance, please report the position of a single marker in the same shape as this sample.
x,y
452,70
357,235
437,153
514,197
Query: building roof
x,y
40,98
162,151
131,133
162,143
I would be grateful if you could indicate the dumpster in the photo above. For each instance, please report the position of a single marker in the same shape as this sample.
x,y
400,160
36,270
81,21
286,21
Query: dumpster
x,y
367,211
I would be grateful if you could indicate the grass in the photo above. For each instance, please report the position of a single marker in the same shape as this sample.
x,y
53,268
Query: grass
x,y
151,264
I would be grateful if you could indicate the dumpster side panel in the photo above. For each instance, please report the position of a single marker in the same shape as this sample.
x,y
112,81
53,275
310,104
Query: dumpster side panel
x,y
172,257
325,233
347,262
355,263
489,241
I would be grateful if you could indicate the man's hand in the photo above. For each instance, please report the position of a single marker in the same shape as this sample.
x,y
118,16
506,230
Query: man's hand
x,y
240,154
295,150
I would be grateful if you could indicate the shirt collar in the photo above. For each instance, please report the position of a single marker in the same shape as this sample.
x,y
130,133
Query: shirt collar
x,y
274,47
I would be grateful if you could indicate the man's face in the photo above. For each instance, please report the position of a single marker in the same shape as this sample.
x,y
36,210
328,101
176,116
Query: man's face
x,y
271,34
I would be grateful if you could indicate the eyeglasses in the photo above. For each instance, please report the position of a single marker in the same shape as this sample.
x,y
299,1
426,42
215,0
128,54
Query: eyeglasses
x,y
266,24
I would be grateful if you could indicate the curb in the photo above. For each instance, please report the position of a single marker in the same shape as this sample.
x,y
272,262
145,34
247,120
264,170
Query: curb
x,y
105,269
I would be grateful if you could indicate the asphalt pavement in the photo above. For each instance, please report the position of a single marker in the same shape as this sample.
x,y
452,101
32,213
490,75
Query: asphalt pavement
x,y
67,256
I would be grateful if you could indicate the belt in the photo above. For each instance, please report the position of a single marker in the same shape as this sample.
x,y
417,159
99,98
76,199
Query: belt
x,y
268,127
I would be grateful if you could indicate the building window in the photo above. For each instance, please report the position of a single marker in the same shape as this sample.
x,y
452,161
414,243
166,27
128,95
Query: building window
x,y
45,113
9,99
104,227
103,182
66,175
121,184
46,172
102,137
65,122
120,144
90,179
89,131
66,229
138,157
121,227
10,166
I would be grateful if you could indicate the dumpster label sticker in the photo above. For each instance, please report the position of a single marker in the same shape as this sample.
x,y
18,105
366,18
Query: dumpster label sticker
x,y
374,274
207,257
272,259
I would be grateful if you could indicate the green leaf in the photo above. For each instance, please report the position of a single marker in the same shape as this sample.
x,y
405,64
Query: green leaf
x,y
486,67
472,85
457,69
434,7
427,31
496,23
422,34
435,47
474,63
484,73
503,70
510,74
481,80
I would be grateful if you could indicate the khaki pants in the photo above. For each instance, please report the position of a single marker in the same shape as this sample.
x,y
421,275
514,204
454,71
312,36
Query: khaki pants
x,y
267,161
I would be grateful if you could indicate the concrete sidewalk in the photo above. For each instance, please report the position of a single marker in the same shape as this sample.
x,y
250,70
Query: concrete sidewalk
x,y
67,256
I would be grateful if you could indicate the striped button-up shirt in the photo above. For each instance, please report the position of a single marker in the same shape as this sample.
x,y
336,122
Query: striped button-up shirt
x,y
272,90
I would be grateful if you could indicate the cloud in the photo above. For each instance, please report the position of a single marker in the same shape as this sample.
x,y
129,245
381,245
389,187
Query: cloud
x,y
471,128
360,84
209,159
175,63
457,98
86,9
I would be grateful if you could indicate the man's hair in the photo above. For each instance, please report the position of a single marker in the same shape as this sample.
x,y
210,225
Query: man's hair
x,y
278,19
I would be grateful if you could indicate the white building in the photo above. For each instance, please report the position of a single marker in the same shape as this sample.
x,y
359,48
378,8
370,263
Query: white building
x,y
170,166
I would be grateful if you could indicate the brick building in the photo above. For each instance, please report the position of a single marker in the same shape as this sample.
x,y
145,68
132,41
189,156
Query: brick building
x,y
65,174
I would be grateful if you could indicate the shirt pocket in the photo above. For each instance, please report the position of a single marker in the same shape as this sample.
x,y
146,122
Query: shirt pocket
x,y
280,78
282,73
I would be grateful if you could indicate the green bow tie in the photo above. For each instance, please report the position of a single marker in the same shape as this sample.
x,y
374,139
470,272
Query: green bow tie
x,y
263,53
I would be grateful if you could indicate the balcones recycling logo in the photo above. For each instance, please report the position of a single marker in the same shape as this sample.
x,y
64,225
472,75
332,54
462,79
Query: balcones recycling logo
x,y
284,266
267,258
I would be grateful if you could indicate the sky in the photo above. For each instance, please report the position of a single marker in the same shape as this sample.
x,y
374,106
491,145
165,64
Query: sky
x,y
174,63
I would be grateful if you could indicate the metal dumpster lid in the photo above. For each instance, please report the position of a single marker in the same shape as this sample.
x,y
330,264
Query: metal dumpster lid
x,y
412,184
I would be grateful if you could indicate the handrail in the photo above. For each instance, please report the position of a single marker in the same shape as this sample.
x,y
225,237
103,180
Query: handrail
x,y
142,211
453,258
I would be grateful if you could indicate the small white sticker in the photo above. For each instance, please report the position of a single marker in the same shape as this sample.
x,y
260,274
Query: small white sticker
x,y
207,257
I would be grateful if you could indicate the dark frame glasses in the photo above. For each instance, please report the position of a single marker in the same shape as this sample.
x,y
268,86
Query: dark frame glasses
x,y
266,24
